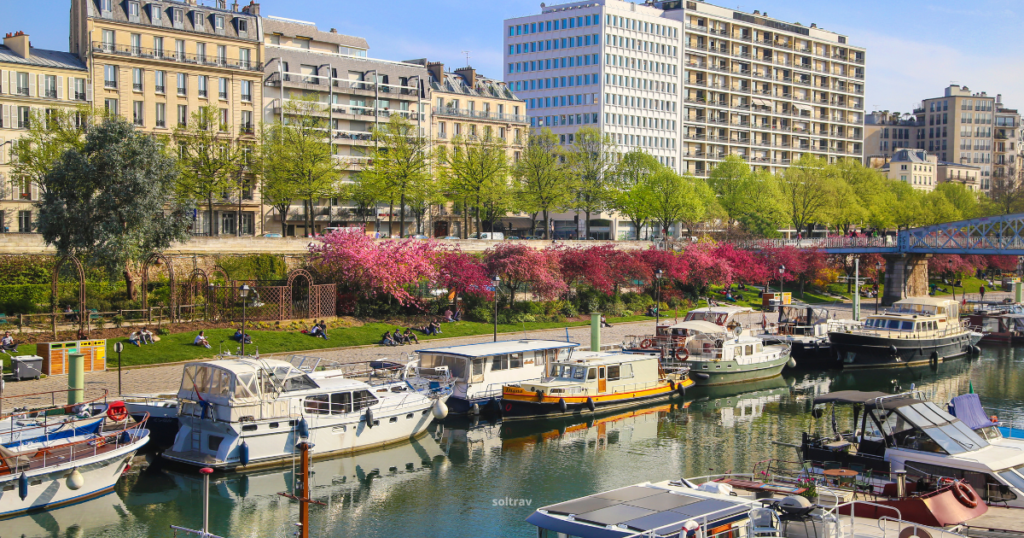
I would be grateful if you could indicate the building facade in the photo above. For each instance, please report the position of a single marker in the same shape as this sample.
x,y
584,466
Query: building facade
x,y
32,83
303,61
157,62
964,174
915,167
468,105
886,133
690,82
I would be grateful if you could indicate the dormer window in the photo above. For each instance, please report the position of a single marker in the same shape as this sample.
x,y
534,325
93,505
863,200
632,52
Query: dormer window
x,y
197,20
155,13
133,11
243,25
179,18
218,24
106,6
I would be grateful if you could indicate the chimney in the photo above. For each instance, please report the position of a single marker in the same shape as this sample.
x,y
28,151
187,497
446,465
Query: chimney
x,y
234,6
253,8
334,30
469,74
222,4
18,42
436,70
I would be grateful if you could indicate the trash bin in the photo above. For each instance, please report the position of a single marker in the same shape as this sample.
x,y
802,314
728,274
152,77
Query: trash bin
x,y
27,367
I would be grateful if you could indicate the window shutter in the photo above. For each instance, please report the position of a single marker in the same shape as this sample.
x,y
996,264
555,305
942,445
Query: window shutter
x,y
60,87
71,89
3,82
88,89
31,85
12,79
7,117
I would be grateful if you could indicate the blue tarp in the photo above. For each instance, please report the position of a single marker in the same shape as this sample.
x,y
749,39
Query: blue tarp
x,y
967,408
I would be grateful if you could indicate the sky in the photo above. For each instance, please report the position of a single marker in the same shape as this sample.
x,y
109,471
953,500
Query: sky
x,y
914,48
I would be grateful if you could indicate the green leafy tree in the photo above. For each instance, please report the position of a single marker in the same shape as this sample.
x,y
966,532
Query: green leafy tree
x,y
964,200
476,171
400,162
674,198
297,157
755,201
276,187
905,209
209,163
591,163
113,202
729,176
845,210
807,190
50,133
1006,195
541,179
632,195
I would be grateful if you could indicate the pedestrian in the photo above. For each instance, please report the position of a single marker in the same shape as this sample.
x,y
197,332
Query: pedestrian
x,y
604,322
981,290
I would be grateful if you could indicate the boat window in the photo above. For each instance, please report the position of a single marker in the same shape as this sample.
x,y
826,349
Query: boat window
x,y
1013,478
915,418
298,382
341,402
894,324
945,443
318,405
515,360
971,437
245,385
456,365
362,399
613,372
224,387
578,372
929,414
750,349
499,362
592,374
188,377
627,371
478,371
908,325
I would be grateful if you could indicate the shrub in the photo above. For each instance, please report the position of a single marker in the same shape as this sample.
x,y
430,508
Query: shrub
x,y
255,267
162,331
118,321
100,323
569,310
615,309
481,314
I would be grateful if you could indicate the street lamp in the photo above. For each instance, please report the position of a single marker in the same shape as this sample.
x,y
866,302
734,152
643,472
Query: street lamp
x,y
496,279
243,292
782,272
657,301
878,287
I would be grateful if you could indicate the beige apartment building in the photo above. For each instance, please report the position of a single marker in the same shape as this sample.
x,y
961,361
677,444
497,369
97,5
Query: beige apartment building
x,y
469,105
915,167
965,174
156,62
32,81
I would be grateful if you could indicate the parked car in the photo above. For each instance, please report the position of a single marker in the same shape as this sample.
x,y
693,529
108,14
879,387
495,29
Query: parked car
x,y
452,237
490,236
512,238
272,235
419,236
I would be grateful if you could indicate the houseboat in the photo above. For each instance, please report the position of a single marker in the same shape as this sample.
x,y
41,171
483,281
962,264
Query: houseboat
x,y
671,336
804,329
917,330
243,413
589,382
732,357
998,324
479,371
903,432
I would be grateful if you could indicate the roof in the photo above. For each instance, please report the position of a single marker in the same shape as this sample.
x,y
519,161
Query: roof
x,y
487,349
294,28
614,357
724,309
876,399
934,301
118,14
958,165
485,87
700,326
43,58
909,155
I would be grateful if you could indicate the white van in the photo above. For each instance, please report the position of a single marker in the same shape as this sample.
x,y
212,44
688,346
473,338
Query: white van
x,y
490,236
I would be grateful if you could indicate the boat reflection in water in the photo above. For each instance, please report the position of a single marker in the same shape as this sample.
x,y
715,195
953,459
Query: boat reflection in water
x,y
740,402
75,521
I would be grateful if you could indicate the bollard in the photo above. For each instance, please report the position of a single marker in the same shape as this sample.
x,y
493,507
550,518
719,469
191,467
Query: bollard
x,y
595,331
76,378
1017,294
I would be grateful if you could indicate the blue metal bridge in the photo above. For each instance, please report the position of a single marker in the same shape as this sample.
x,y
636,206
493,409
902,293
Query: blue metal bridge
x,y
1002,235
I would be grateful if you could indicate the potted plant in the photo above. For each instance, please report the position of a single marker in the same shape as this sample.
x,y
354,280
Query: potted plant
x,y
811,489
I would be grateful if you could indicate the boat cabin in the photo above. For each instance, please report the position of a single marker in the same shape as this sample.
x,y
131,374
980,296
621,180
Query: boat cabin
x,y
724,347
722,316
802,321
916,317
591,373
480,370
902,432
242,388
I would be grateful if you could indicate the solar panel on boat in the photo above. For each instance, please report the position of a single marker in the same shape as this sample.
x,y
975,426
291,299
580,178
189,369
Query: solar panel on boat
x,y
663,521
712,505
581,506
613,515
629,494
664,501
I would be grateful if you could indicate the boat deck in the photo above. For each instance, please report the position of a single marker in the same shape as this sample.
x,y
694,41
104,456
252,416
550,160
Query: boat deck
x,y
37,459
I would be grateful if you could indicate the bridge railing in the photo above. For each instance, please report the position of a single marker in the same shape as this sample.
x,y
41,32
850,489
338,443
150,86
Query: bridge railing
x,y
834,242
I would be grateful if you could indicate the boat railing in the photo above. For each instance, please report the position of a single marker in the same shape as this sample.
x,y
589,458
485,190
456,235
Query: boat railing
x,y
897,334
53,401
892,527
635,386
85,448
495,390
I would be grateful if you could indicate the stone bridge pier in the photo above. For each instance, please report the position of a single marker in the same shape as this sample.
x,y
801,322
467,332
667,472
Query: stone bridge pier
x,y
906,275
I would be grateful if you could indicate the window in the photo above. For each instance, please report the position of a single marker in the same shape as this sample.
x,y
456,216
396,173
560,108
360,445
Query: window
x,y
178,17
24,116
136,44
179,50
25,222
201,81
137,112
218,23
158,45
182,115
155,14
198,20
110,105
222,88
182,84
79,89
247,122
161,115
160,80
222,55
243,25
50,86
137,79
244,56
223,119
247,91
201,52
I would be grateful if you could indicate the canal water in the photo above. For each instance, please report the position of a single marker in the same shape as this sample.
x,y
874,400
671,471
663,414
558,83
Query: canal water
x,y
483,478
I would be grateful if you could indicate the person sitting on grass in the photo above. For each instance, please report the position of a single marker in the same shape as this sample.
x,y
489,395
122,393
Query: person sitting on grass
x,y
448,316
133,338
7,343
410,336
145,336
239,336
458,314
323,329
399,338
201,340
433,328
604,322
386,340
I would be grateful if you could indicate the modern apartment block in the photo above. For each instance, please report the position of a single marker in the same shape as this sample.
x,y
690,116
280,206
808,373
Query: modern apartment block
x,y
157,62
690,82
303,61
32,81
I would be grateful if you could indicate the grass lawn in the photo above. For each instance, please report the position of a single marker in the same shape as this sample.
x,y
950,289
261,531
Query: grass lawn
x,y
178,347
752,299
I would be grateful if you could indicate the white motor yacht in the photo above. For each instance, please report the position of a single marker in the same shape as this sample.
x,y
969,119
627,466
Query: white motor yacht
x,y
244,413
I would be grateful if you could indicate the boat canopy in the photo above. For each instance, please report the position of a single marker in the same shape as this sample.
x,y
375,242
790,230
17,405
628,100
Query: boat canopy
x,y
872,399
719,315
698,326
800,314
487,349
241,381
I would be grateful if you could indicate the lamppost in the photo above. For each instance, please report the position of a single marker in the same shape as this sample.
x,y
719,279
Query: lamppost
x,y
243,292
657,301
878,287
782,293
496,279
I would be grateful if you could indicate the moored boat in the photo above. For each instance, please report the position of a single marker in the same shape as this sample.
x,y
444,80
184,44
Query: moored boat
x,y
917,330
804,329
671,335
588,382
722,358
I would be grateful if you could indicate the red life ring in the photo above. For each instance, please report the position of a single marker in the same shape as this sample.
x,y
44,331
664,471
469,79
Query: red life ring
x,y
965,494
117,411
645,344
686,355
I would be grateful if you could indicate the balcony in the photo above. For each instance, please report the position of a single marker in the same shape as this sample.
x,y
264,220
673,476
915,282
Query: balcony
x,y
22,91
50,94
161,89
479,114
177,57
137,86
79,96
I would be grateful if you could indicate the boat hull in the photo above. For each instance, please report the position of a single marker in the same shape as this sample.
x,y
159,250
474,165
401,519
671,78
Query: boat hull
x,y
517,404
709,373
869,351
938,508
48,486
808,354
